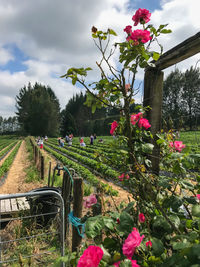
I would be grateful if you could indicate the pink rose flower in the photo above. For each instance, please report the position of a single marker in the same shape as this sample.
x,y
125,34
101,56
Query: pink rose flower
x,y
179,145
127,176
144,123
133,240
121,177
134,263
142,16
89,201
128,29
140,36
148,243
141,218
113,127
91,257
136,117
198,196
127,87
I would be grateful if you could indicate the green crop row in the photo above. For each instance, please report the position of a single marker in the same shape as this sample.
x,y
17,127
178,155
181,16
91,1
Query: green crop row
x,y
104,169
84,172
7,148
7,163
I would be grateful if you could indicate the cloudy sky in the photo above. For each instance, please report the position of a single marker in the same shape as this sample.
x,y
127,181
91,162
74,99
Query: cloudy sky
x,y
41,39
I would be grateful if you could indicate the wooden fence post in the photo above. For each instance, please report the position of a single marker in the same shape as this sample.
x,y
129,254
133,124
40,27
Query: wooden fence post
x,y
66,190
49,173
42,166
77,210
153,97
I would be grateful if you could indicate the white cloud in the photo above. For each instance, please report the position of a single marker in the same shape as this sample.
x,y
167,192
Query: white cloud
x,y
56,35
5,56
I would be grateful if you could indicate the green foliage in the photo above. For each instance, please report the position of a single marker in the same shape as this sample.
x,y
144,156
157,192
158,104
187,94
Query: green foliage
x,y
38,110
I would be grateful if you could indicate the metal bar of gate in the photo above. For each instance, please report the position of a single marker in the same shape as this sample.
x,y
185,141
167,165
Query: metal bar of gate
x,y
31,194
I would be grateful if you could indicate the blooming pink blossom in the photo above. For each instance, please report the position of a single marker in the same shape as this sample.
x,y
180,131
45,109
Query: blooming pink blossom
x,y
140,36
141,218
142,16
121,177
136,117
91,257
149,243
127,87
113,127
179,145
133,240
128,29
198,196
144,123
89,201
127,176
134,263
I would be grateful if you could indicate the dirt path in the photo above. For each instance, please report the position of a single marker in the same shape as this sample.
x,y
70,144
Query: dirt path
x,y
15,181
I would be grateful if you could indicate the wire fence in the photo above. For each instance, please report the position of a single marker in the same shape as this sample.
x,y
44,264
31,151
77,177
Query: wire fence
x,y
32,228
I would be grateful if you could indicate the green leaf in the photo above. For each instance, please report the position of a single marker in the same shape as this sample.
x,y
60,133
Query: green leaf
x,y
93,226
147,148
181,245
157,246
126,222
108,222
166,31
156,55
196,210
110,31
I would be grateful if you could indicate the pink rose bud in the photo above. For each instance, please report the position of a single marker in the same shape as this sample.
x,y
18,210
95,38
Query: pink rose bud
x,y
141,218
148,243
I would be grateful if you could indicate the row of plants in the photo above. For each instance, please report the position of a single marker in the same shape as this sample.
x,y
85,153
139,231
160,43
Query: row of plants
x,y
102,168
7,149
5,143
84,172
9,160
95,153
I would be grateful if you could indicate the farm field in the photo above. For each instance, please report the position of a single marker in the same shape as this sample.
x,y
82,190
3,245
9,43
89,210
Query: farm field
x,y
92,163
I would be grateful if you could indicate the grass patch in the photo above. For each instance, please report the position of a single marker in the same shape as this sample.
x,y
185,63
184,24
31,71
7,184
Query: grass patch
x,y
32,174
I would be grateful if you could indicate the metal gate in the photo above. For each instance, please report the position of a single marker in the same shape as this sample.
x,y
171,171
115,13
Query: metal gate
x,y
31,228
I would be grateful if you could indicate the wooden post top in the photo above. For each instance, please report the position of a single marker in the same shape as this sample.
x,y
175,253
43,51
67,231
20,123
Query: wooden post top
x,y
182,51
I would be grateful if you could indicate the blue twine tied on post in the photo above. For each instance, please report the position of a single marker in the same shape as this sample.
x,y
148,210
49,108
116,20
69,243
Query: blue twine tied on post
x,y
76,222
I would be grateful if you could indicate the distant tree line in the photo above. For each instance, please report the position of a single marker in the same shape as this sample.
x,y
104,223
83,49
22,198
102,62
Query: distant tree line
x,y
181,99
9,125
78,119
38,109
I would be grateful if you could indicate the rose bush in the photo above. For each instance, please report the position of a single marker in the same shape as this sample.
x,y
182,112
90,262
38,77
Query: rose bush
x,y
161,226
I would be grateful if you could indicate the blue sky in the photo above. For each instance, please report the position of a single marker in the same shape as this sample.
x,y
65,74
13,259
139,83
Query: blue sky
x,y
41,39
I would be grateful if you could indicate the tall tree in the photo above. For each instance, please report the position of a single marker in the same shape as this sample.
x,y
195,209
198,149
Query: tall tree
x,y
38,110
191,94
172,96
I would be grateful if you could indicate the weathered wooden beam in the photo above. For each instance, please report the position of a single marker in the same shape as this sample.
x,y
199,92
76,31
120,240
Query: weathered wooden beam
x,y
182,51
153,94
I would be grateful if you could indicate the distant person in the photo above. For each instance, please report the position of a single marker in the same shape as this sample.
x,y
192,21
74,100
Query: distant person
x,y
101,141
41,143
67,138
82,143
46,138
95,137
62,142
91,140
59,138
70,140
